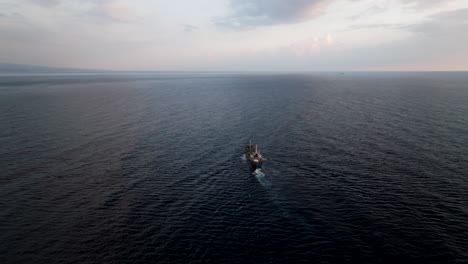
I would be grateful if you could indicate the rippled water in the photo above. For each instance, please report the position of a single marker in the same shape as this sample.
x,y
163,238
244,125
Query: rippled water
x,y
361,167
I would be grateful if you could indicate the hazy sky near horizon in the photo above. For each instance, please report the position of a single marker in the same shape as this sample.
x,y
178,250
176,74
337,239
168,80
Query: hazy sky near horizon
x,y
283,35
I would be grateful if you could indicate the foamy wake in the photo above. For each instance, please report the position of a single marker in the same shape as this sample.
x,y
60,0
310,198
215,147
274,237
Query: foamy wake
x,y
258,173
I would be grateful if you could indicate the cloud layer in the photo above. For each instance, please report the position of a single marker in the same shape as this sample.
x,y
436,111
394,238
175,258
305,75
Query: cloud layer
x,y
247,34
247,14
252,13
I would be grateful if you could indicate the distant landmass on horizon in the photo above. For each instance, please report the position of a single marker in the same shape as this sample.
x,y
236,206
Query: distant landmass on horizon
x,y
26,68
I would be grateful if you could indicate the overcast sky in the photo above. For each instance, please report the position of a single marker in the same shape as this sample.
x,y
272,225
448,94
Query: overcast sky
x,y
283,35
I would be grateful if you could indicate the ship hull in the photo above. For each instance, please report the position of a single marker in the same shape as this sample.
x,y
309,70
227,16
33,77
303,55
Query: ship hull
x,y
254,164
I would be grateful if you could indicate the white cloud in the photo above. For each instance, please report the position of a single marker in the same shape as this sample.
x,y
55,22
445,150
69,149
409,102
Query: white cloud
x,y
116,10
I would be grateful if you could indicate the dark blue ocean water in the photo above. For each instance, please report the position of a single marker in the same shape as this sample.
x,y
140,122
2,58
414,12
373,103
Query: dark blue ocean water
x,y
361,168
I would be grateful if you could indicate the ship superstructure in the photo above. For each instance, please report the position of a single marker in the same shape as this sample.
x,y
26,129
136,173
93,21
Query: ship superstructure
x,y
253,156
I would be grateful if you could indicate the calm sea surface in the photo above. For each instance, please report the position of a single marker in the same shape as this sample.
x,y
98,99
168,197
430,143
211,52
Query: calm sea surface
x,y
361,168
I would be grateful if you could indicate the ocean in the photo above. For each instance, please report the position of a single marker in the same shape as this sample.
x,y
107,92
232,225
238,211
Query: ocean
x,y
360,167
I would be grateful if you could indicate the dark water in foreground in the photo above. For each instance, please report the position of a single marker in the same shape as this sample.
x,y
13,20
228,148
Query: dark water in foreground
x,y
362,167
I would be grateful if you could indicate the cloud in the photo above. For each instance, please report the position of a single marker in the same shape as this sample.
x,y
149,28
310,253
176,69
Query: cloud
x,y
311,46
379,7
438,43
248,14
118,11
369,12
380,26
189,28
93,34
425,4
442,39
109,9
251,13
45,3
444,23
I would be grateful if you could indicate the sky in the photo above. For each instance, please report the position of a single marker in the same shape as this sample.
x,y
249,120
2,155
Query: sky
x,y
237,35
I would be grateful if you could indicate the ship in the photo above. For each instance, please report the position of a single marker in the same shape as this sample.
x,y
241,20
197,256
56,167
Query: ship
x,y
254,157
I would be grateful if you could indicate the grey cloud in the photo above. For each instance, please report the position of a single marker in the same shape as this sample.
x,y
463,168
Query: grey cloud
x,y
251,13
382,25
369,12
414,5
442,37
456,15
246,14
423,4
189,28
443,23
449,24
437,44
16,28
45,3
105,10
